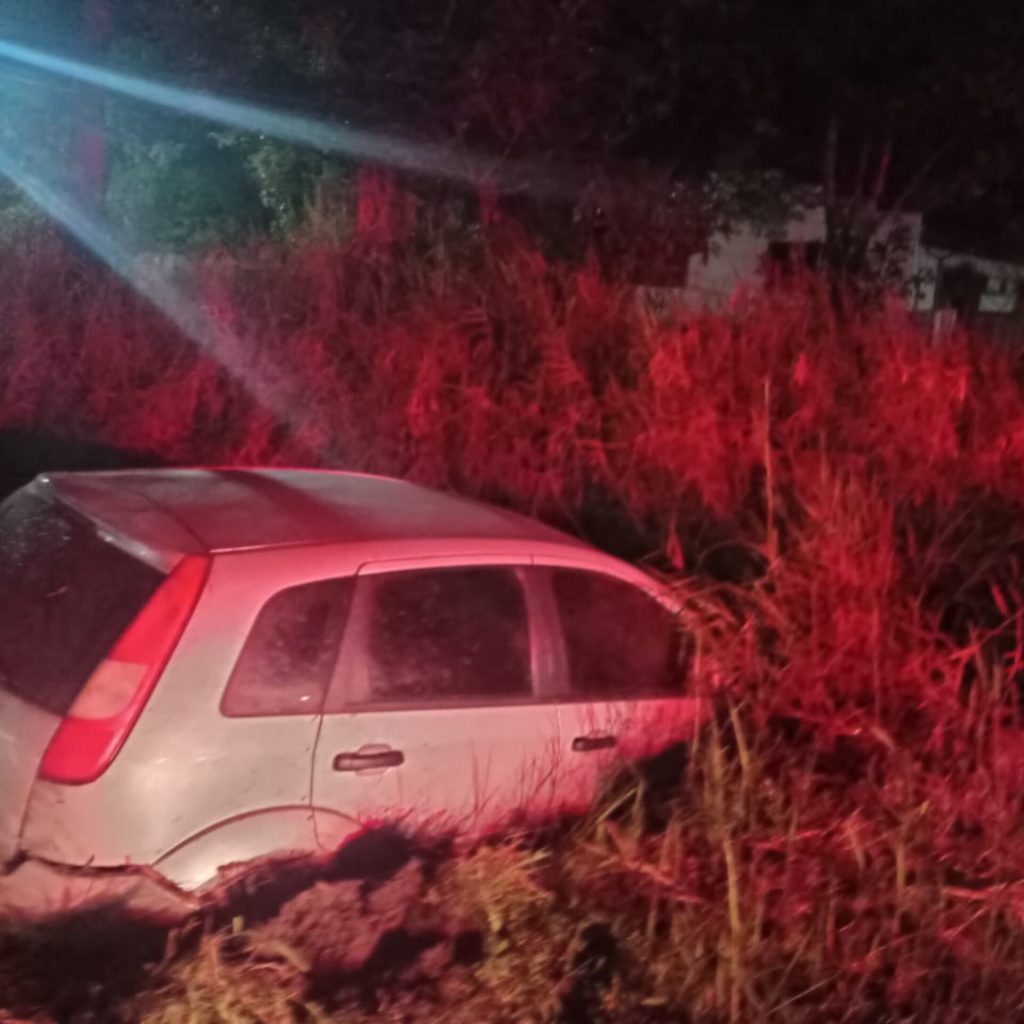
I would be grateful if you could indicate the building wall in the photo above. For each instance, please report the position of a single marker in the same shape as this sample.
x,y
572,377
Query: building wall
x,y
1000,296
736,259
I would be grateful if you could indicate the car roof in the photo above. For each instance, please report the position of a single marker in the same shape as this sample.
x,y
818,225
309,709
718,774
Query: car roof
x,y
219,510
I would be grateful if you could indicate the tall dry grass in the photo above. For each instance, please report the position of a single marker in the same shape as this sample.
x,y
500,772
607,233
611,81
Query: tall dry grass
x,y
841,500
502,375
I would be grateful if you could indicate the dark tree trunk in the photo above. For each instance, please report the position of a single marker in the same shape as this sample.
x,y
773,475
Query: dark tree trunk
x,y
855,210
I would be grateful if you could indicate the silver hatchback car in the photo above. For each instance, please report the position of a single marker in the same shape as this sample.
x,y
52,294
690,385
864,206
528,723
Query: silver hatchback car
x,y
201,669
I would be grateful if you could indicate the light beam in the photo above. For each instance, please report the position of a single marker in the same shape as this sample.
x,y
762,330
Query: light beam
x,y
179,308
390,150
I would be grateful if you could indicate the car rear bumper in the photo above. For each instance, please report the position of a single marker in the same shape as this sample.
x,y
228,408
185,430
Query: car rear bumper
x,y
36,889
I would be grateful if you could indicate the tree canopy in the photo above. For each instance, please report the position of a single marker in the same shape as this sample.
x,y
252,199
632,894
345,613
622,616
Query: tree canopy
x,y
880,106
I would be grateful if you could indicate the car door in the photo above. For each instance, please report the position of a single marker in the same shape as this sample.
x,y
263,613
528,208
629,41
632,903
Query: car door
x,y
620,675
437,717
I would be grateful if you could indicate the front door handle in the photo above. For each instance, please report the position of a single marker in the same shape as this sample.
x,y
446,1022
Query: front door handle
x,y
584,744
367,760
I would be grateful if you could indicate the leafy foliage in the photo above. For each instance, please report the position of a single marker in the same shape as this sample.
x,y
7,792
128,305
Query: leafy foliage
x,y
893,106
721,112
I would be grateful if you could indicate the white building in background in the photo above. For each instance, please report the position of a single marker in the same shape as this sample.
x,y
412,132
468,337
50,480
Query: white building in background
x,y
738,259
741,257
999,296
942,285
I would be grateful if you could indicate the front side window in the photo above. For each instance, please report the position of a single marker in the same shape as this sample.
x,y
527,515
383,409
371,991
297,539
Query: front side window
x,y
620,642
444,635
286,664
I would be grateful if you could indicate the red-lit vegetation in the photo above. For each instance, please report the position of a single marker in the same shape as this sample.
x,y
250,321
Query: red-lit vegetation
x,y
845,502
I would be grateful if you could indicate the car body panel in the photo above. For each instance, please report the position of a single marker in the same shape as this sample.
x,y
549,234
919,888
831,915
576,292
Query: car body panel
x,y
122,511
273,832
465,770
36,889
25,732
185,767
598,734
235,510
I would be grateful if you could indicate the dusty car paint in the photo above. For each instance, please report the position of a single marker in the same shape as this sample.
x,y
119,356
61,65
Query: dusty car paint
x,y
194,789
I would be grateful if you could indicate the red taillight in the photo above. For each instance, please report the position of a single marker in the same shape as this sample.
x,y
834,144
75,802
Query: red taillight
x,y
99,721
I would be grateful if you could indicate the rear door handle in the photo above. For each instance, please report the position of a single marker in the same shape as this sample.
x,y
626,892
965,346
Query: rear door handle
x,y
584,744
367,760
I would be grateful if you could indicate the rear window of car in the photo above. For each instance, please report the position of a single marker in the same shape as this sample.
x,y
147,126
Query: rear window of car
x,y
66,595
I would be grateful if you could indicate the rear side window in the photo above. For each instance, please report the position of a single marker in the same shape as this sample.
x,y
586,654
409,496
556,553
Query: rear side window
x,y
286,664
66,595
447,635
620,642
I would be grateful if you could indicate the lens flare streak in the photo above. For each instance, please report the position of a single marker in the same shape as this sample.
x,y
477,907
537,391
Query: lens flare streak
x,y
375,147
178,307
